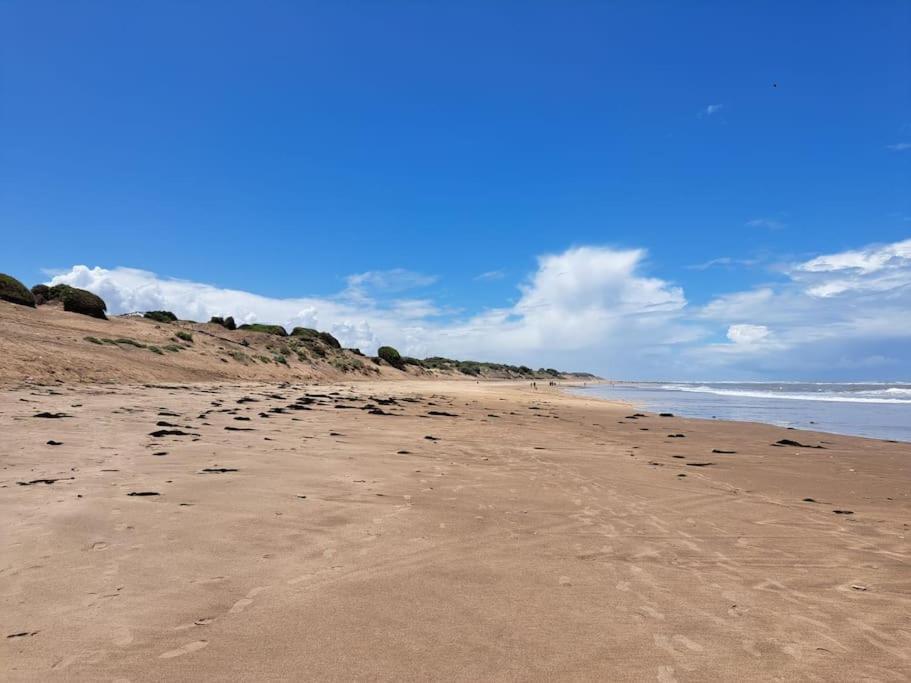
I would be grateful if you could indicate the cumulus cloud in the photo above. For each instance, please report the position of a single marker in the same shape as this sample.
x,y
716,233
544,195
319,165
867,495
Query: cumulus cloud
x,y
747,334
833,313
594,308
583,307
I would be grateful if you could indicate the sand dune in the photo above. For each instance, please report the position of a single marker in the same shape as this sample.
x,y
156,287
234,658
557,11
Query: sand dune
x,y
342,532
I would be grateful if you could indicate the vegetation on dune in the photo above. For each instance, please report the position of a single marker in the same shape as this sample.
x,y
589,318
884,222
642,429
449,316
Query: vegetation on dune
x,y
277,330
84,302
305,333
40,292
160,316
185,336
391,356
227,323
481,369
15,292
155,349
329,340
57,292
308,333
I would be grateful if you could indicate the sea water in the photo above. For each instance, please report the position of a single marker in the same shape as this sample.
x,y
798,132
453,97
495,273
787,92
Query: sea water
x,y
878,410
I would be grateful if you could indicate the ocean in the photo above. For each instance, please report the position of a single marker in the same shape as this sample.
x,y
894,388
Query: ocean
x,y
877,410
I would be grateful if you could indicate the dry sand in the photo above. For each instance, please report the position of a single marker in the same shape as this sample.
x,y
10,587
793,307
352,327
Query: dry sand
x,y
537,536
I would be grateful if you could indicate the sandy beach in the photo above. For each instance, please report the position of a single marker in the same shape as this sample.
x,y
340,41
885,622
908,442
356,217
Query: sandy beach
x,y
439,529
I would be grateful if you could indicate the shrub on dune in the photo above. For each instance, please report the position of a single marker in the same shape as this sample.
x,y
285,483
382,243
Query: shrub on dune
x,y
40,292
227,323
305,333
15,292
160,316
329,340
277,330
84,302
391,356
57,292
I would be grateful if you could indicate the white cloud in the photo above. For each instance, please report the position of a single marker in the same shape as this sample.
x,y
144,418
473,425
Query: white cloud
x,y
769,223
899,146
587,306
868,260
829,314
711,110
737,306
723,261
364,285
491,275
747,334
595,308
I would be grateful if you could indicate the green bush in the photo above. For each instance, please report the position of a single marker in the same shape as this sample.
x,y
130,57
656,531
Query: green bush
x,y
160,316
84,302
305,333
227,323
155,349
173,347
277,330
391,356
57,292
93,340
40,292
15,292
330,340
130,342
186,336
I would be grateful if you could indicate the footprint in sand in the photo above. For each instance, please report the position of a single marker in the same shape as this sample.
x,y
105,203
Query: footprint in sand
x,y
204,621
666,674
244,603
185,650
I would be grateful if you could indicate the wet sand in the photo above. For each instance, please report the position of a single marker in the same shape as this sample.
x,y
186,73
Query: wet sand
x,y
296,533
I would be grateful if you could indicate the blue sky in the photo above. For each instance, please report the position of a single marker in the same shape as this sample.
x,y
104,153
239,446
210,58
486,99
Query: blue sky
x,y
369,161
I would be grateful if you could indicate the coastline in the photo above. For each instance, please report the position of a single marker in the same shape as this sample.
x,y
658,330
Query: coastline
x,y
537,534
877,419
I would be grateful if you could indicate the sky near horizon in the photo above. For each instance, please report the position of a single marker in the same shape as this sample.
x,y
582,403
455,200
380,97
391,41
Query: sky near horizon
x,y
646,190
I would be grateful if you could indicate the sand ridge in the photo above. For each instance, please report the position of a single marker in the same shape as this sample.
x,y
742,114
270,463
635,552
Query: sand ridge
x,y
418,529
